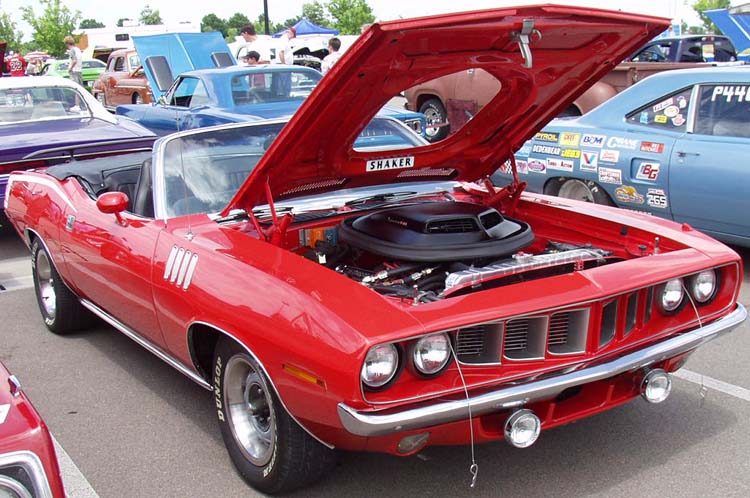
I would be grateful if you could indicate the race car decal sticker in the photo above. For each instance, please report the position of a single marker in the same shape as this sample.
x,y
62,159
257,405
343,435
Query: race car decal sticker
x,y
628,194
678,120
4,409
610,175
546,149
593,140
654,147
544,136
671,111
569,139
522,167
681,102
663,104
571,153
507,167
553,163
655,197
560,165
390,163
622,143
537,166
661,119
643,118
730,92
589,161
609,156
648,171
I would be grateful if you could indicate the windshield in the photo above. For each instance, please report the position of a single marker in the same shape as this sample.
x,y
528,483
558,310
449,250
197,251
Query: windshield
x,y
49,103
203,170
273,86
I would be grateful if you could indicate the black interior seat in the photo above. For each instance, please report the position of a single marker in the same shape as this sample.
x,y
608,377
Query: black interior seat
x,y
142,202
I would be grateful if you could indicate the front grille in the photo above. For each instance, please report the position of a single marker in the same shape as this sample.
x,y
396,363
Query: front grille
x,y
525,338
470,341
479,344
459,225
558,329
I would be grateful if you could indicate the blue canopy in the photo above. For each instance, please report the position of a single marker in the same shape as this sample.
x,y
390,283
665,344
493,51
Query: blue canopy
x,y
305,27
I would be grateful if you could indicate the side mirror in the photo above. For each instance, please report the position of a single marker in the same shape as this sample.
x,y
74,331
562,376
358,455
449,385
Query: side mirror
x,y
162,99
113,203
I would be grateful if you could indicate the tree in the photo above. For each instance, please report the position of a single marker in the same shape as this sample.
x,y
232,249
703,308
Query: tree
x,y
150,16
237,21
8,32
49,29
316,13
702,5
212,22
349,15
90,23
260,25
121,21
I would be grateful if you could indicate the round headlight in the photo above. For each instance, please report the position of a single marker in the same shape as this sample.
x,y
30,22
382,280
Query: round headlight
x,y
431,353
381,364
671,295
703,286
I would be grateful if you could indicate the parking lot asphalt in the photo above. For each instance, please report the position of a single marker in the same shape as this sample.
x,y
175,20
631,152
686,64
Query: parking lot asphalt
x,y
137,428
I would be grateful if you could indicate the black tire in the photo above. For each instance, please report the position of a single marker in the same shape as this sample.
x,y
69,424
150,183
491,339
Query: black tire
x,y
434,110
277,455
60,308
580,190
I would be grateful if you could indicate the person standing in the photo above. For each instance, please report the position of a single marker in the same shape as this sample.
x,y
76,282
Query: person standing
x,y
286,54
16,64
253,43
76,60
334,44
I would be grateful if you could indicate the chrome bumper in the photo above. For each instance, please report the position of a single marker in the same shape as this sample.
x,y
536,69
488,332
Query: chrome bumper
x,y
371,424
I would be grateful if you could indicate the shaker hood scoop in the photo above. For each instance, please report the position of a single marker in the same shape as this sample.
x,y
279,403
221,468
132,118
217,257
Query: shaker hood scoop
x,y
569,49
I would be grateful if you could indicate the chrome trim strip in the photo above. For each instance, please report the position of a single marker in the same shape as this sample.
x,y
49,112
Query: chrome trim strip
x,y
372,424
190,270
34,468
265,371
177,263
183,268
145,343
170,262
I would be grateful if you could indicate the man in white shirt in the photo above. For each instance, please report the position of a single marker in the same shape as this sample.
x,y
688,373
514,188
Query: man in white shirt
x,y
334,44
76,60
286,54
253,44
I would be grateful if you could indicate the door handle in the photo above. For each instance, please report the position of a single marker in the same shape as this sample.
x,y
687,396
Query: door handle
x,y
681,153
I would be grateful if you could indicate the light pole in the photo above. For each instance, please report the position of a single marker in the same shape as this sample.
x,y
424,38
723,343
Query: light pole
x,y
265,16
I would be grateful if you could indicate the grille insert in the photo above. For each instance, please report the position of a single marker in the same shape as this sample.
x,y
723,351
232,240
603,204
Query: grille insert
x,y
479,344
525,338
568,331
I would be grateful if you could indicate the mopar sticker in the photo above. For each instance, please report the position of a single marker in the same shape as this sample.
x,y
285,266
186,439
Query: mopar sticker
x,y
655,197
593,140
610,175
589,161
546,149
571,153
648,171
544,136
569,139
609,156
622,143
537,166
390,163
628,194
654,147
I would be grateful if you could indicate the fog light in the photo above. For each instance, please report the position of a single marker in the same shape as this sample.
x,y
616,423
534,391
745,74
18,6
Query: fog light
x,y
410,444
522,428
656,386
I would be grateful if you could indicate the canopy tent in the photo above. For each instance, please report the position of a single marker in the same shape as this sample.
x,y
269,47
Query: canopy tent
x,y
305,27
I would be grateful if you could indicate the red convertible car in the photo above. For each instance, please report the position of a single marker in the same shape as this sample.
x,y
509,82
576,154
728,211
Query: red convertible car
x,y
338,286
28,465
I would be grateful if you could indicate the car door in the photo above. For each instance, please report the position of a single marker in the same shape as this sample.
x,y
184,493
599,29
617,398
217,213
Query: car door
x,y
112,90
709,173
176,110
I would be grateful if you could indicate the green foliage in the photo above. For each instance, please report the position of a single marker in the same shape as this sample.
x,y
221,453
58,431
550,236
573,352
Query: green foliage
x,y
150,16
349,15
237,21
289,22
212,22
232,33
702,5
90,23
54,24
316,13
260,26
121,21
8,32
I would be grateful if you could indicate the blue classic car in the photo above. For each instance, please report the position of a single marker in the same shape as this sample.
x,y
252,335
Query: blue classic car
x,y
675,145
211,90
43,120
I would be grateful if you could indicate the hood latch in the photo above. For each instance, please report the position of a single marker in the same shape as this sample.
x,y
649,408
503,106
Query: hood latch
x,y
524,38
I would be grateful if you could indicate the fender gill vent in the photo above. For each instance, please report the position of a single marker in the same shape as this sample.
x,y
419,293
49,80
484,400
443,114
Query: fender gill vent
x,y
459,225
609,323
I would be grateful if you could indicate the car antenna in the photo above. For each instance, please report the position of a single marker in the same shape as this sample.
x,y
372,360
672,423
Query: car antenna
x,y
189,235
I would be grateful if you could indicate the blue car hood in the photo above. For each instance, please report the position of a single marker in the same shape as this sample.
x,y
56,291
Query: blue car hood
x,y
31,137
182,52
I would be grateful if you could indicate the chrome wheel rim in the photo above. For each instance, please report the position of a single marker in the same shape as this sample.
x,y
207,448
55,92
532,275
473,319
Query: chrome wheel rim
x,y
250,411
577,190
46,284
432,117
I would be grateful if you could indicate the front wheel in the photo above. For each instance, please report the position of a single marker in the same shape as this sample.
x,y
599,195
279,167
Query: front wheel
x,y
437,120
268,448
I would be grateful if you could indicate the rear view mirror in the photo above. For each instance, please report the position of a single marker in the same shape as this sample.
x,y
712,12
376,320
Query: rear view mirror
x,y
113,203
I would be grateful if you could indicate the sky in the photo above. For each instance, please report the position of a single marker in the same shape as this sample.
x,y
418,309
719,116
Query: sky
x,y
173,11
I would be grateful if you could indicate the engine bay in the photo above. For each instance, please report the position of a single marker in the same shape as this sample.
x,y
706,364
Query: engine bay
x,y
429,251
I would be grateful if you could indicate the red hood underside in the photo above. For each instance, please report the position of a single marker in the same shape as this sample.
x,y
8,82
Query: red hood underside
x,y
578,46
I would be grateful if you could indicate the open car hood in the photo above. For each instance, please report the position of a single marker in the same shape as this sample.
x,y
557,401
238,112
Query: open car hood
x,y
168,55
571,48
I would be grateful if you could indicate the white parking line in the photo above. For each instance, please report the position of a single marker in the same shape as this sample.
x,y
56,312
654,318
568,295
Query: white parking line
x,y
75,483
711,383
